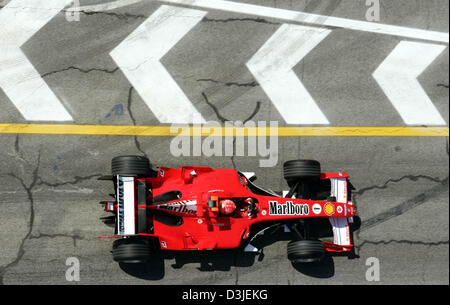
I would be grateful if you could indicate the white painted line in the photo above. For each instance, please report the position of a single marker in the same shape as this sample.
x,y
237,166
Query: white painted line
x,y
104,6
19,21
138,56
272,67
315,19
397,76
289,15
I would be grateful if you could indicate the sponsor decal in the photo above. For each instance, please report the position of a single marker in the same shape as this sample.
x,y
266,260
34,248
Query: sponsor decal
x,y
339,209
288,208
184,206
163,243
317,208
120,206
161,173
329,209
350,210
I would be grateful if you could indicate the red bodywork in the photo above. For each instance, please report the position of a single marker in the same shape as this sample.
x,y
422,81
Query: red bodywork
x,y
204,227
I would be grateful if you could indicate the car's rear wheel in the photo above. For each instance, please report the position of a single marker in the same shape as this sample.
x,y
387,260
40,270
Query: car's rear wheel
x,y
305,251
131,250
130,165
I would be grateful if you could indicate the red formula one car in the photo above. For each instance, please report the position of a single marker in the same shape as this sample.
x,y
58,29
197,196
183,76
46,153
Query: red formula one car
x,y
200,208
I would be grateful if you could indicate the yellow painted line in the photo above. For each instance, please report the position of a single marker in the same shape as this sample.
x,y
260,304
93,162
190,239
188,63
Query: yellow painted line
x,y
122,130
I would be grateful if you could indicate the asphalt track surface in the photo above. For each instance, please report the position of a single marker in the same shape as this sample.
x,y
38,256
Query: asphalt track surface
x,y
49,191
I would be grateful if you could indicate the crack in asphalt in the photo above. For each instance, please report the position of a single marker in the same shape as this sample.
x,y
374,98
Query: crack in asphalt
x,y
405,206
28,189
223,119
386,184
408,242
257,20
133,119
125,16
214,108
229,84
17,145
442,85
120,16
77,179
36,180
17,153
74,237
81,70
255,111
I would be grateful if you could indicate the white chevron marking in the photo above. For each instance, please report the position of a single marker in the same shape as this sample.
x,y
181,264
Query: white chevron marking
x,y
138,56
397,76
19,21
272,67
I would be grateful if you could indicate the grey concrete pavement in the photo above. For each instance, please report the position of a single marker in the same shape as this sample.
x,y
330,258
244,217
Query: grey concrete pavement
x,y
49,191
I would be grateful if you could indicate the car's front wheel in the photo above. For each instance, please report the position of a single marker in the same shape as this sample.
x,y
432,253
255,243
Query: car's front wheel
x,y
301,176
301,169
305,251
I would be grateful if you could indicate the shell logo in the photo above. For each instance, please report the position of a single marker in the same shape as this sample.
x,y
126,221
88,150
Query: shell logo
x,y
329,209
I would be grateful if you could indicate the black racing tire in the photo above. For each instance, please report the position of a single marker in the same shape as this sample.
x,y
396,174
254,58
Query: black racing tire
x,y
301,169
130,165
131,250
305,251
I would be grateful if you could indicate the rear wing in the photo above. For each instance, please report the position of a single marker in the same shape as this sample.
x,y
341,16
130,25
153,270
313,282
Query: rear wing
x,y
131,197
126,209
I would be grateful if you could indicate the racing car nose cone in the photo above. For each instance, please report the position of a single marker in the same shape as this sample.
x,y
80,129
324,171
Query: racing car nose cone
x,y
227,206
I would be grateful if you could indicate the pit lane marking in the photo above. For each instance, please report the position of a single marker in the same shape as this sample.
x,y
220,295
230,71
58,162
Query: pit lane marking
x,y
168,131
20,81
104,6
139,55
397,76
272,67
